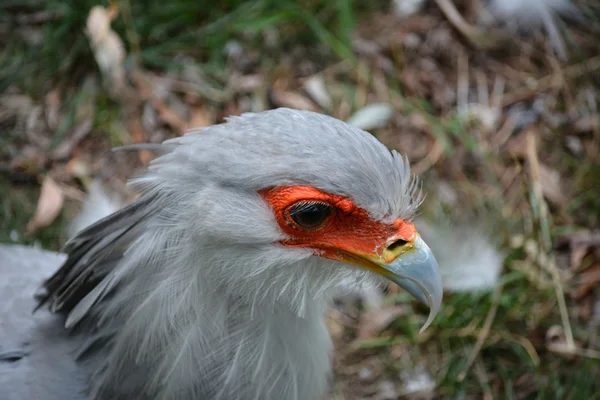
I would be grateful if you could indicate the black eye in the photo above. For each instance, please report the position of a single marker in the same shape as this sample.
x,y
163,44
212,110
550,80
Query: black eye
x,y
310,214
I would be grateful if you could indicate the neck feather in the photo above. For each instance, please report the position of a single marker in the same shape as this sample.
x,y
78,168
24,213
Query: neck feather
x,y
177,334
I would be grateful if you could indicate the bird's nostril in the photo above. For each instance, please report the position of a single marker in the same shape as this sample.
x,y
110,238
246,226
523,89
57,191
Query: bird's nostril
x,y
398,243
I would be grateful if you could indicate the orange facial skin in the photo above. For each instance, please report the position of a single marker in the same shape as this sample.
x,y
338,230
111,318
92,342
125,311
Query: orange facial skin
x,y
347,233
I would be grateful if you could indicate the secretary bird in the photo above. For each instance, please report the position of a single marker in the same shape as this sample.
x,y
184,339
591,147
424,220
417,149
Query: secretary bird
x,y
214,283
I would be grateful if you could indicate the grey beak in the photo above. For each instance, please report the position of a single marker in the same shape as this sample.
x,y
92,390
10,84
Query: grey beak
x,y
416,271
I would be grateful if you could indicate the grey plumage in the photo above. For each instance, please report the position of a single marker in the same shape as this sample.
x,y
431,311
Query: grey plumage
x,y
36,352
187,293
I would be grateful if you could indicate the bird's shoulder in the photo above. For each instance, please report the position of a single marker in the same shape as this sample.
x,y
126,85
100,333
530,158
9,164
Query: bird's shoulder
x,y
36,353
91,256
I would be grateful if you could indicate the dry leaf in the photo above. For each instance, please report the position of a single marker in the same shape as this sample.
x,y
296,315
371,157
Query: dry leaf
x,y
334,324
68,145
108,48
292,100
199,118
372,116
78,168
247,83
578,252
139,136
166,114
53,102
550,183
16,104
556,340
316,89
589,280
49,205
373,322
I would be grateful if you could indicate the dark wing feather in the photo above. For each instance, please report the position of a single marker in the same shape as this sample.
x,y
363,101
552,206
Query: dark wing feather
x,y
92,254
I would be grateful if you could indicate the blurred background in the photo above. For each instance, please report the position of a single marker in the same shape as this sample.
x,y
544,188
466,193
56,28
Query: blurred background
x,y
495,102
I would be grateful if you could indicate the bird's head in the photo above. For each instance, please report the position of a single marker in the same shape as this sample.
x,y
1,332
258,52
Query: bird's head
x,y
282,206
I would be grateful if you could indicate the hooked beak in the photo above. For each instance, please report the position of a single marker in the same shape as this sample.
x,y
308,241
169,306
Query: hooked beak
x,y
411,266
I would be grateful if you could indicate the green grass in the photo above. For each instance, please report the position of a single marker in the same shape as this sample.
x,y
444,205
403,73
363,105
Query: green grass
x,y
156,32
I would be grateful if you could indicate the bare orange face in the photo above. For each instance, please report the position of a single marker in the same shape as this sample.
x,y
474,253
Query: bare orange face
x,y
335,227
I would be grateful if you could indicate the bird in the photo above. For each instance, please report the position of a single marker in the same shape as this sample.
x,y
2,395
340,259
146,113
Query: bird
x,y
214,283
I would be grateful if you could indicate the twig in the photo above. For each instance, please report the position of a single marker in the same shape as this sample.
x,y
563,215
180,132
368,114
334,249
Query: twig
x,y
552,81
167,115
430,159
68,145
503,134
483,334
72,193
479,39
180,85
37,18
462,81
495,337
587,353
534,169
483,379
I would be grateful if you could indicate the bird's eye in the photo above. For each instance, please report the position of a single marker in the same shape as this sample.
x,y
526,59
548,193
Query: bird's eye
x,y
309,214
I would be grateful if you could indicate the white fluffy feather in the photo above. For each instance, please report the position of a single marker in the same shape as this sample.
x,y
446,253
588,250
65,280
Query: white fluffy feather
x,y
97,205
533,15
469,261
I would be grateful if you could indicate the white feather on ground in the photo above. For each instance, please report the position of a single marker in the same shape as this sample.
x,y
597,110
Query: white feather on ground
x,y
534,15
468,260
406,8
96,206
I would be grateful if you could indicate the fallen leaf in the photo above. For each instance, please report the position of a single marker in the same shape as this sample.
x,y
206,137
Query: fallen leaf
x,y
576,257
372,116
107,46
334,324
247,83
53,102
551,187
316,89
16,103
589,280
166,114
139,136
517,144
199,118
372,322
68,145
418,121
587,124
292,100
49,205
78,168
556,341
